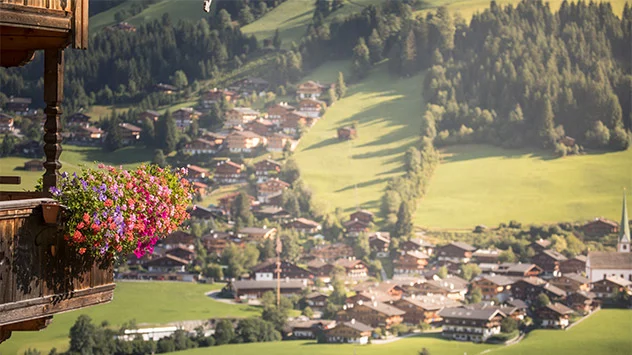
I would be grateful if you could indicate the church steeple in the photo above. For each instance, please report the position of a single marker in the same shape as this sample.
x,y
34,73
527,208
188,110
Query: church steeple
x,y
624,229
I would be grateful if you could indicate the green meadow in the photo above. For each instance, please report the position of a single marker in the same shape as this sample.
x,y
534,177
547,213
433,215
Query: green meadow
x,y
146,302
480,184
354,173
607,332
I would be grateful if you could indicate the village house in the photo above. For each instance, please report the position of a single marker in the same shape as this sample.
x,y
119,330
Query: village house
x,y
417,311
316,301
331,252
362,215
196,173
349,332
529,288
355,270
200,189
310,89
278,111
321,269
149,115
209,97
215,243
6,123
182,252
376,314
226,201
270,188
167,263
457,252
600,227
184,117
88,135
272,213
243,141
486,256
494,286
471,324
249,84
410,262
417,244
279,142
217,138
582,301
200,146
368,296
379,242
257,233
253,289
515,312
540,245
240,116
390,289
18,105
267,168
308,329
347,133
574,265
311,107
571,283
204,213
518,270
554,315
130,134
451,287
609,286
165,88
292,123
549,261
77,119
267,271
228,172
304,225
178,238
34,165
354,227
261,126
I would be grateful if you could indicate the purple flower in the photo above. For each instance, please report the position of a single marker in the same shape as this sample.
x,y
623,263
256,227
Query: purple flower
x,y
55,191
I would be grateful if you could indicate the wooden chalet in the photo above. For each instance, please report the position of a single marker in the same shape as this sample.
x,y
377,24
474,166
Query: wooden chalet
x,y
226,201
600,227
261,127
279,142
244,141
308,329
354,269
582,301
451,287
549,261
240,116
375,314
379,241
130,134
311,107
410,262
196,173
354,227
518,270
391,289
540,245
148,114
228,172
200,146
362,215
457,252
417,311
39,275
349,332
494,286
574,265
272,213
320,269
178,238
486,256
165,88
78,119
609,286
529,288
417,244
182,252
184,117
6,123
267,168
331,252
270,188
256,233
278,111
554,315
209,97
304,225
34,165
293,121
571,283
310,89
267,270
167,263
252,289
471,324
316,300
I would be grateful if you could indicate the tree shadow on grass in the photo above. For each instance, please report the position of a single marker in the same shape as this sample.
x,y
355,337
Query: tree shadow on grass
x,y
479,151
128,155
363,184
307,12
322,144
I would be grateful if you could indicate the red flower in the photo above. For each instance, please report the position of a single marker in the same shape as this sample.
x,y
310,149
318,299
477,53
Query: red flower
x,y
86,217
80,225
77,236
82,251
108,203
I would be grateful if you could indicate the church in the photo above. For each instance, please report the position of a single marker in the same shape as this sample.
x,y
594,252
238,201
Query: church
x,y
613,264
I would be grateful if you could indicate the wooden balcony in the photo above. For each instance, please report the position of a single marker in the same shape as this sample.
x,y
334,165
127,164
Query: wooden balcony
x,y
39,275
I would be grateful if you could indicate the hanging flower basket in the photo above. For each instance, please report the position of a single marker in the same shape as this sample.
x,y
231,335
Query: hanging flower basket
x,y
51,212
112,212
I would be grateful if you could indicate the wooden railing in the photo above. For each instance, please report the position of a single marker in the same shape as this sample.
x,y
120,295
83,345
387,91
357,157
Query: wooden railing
x,y
39,275
44,4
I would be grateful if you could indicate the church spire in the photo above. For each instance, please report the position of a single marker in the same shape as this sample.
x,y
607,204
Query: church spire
x,y
624,228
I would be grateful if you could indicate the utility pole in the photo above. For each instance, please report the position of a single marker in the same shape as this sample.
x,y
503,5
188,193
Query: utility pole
x,y
279,248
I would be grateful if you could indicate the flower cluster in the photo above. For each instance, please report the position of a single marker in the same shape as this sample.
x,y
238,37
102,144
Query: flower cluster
x,y
116,212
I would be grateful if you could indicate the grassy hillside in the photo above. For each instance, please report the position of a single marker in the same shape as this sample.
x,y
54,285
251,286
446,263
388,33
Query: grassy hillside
x,y
71,158
477,184
346,173
146,302
606,332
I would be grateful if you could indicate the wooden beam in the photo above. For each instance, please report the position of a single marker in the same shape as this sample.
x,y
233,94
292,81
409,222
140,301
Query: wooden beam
x,y
10,180
30,325
4,334
18,58
35,17
53,96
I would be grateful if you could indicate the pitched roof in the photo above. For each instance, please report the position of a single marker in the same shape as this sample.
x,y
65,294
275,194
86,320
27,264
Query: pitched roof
x,y
316,263
384,308
475,314
499,279
197,169
167,256
255,230
130,127
347,263
554,254
516,267
265,284
246,111
617,280
314,295
420,242
577,278
559,308
361,327
609,260
520,304
554,290
416,254
307,222
462,245
543,243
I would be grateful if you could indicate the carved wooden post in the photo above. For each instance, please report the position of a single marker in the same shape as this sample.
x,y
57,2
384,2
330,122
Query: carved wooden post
x,y
53,95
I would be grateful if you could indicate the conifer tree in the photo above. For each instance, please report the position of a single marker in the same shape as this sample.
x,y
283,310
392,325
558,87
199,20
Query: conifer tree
x,y
376,46
276,41
341,86
361,61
